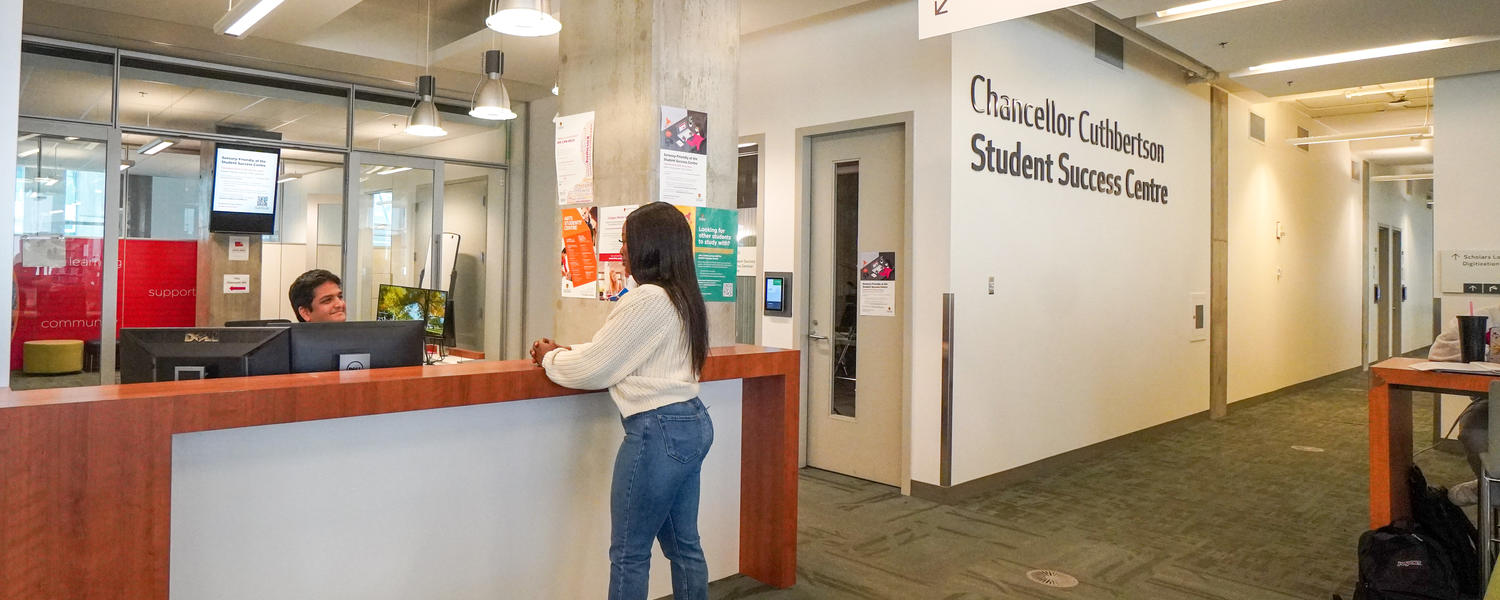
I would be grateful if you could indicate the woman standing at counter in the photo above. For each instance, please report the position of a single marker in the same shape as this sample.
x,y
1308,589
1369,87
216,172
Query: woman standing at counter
x,y
649,355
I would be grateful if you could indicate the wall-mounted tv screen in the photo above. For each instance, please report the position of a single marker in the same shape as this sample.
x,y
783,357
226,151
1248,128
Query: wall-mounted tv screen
x,y
244,189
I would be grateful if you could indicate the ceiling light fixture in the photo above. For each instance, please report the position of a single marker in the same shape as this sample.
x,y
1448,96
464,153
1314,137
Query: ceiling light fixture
x,y
491,99
1406,177
424,120
126,164
1412,132
1355,55
288,177
393,170
1375,91
156,145
27,137
525,18
238,21
46,180
1196,9
27,152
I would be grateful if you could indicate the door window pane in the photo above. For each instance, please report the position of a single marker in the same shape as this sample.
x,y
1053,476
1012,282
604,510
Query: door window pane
x,y
309,227
846,282
473,212
58,251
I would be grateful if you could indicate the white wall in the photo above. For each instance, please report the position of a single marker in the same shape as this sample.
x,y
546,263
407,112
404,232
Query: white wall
x,y
504,500
866,63
10,89
1465,215
1088,334
1294,303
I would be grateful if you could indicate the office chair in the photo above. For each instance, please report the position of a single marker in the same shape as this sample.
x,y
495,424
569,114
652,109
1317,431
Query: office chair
x,y
1489,538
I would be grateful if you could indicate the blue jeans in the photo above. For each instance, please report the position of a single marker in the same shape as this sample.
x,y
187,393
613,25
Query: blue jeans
x,y
655,495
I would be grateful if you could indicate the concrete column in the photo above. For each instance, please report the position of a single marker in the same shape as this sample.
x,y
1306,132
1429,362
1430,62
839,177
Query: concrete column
x,y
213,306
623,60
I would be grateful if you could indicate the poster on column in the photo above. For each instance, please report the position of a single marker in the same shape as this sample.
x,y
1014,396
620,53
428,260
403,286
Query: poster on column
x,y
580,268
575,159
684,157
714,247
877,284
611,262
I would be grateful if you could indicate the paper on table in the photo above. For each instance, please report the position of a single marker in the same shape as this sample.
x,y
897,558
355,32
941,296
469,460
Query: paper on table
x,y
1481,368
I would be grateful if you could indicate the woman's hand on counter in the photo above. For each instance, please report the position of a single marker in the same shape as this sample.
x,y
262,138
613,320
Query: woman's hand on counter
x,y
541,347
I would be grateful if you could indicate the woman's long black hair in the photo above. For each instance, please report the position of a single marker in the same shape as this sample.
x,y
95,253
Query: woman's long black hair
x,y
659,247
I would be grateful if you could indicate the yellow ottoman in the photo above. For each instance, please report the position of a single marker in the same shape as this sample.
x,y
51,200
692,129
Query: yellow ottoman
x,y
49,357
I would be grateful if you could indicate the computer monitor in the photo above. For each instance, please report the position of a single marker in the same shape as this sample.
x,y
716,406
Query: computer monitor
x,y
402,303
355,345
178,353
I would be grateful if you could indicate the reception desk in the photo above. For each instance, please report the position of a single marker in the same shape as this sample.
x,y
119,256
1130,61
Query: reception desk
x,y
86,474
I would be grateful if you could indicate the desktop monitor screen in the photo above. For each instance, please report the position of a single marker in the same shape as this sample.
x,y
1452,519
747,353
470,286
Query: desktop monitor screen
x,y
244,189
176,353
401,303
355,345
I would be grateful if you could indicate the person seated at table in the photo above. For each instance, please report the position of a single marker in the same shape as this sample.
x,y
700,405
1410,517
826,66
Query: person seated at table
x,y
317,297
1473,422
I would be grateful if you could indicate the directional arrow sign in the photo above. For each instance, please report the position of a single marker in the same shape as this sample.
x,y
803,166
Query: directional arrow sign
x,y
939,17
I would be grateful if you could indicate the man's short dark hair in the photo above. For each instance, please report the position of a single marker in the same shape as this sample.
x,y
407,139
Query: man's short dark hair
x,y
306,285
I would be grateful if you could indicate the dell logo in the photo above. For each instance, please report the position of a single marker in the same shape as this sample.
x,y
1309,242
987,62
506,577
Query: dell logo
x,y
192,337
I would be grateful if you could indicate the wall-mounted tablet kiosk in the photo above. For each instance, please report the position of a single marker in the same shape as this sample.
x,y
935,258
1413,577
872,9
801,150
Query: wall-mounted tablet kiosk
x,y
778,294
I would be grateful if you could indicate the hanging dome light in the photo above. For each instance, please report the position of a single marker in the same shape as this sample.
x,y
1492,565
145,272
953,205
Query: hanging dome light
x,y
424,120
491,100
525,18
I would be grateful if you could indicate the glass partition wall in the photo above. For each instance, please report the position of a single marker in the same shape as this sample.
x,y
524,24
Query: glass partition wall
x,y
356,196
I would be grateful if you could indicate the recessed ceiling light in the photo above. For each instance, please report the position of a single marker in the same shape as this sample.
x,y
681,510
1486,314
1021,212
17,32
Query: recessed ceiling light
x,y
238,21
27,152
1197,9
393,170
1366,54
156,145
27,137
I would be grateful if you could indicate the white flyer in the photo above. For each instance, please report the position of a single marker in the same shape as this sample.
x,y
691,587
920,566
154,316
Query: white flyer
x,y
612,230
236,283
683,173
44,252
239,247
575,159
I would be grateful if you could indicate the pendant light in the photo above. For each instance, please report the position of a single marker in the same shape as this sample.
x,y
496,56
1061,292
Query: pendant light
x,y
491,100
525,18
424,120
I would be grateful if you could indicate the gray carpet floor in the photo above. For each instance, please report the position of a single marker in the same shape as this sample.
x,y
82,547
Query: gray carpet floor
x,y
1214,510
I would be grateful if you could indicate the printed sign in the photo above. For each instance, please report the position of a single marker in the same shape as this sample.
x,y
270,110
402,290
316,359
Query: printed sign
x,y
939,17
1470,271
245,181
877,284
684,157
236,283
575,159
714,252
580,267
239,247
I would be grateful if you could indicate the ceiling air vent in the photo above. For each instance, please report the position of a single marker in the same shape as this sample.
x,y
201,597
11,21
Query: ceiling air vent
x,y
1109,47
1257,128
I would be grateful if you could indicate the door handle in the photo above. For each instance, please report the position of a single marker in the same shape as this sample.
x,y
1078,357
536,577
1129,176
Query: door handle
x,y
813,336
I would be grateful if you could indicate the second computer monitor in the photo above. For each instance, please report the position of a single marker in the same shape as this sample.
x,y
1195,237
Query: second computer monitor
x,y
402,303
355,345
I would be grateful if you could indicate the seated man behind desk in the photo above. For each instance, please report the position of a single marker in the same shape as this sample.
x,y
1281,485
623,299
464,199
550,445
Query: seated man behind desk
x,y
317,296
1473,422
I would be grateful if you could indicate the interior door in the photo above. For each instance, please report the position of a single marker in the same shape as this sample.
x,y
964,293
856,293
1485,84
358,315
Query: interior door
x,y
856,318
393,220
1383,295
1398,292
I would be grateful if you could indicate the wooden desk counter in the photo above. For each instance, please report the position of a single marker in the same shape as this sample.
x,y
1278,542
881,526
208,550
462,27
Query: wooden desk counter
x,y
86,473
1391,383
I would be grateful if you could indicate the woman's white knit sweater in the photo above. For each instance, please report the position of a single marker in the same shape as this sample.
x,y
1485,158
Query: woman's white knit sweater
x,y
641,354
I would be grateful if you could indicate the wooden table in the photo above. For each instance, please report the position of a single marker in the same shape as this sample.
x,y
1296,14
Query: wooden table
x,y
1391,383
86,473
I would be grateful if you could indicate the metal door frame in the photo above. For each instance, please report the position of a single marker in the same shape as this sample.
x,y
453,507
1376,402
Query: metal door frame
x,y
802,300
110,137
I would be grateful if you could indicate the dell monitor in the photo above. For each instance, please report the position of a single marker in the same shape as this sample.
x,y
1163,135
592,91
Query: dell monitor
x,y
177,353
355,345
402,303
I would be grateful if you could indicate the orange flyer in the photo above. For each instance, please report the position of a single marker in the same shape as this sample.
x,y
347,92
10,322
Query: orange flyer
x,y
578,245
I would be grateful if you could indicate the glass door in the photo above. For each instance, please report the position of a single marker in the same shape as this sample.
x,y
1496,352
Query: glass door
x,y
63,307
395,214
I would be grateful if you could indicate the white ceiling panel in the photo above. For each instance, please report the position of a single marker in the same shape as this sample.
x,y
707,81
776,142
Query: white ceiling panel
x,y
1477,58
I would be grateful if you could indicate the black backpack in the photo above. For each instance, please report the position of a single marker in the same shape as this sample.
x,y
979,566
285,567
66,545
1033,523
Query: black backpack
x,y
1435,558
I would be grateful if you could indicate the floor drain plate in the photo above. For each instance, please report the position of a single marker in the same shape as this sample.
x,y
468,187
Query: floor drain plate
x,y
1307,448
1052,578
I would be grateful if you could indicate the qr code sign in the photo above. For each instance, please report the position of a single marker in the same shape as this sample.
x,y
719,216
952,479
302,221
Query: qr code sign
x,y
729,289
